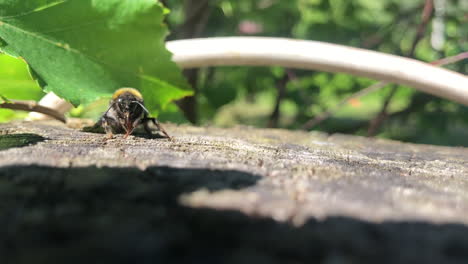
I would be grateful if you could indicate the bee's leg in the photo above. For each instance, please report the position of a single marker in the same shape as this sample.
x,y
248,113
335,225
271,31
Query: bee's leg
x,y
146,127
156,123
98,124
107,127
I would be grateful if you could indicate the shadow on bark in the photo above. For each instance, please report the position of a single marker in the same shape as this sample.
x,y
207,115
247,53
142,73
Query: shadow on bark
x,y
112,215
19,140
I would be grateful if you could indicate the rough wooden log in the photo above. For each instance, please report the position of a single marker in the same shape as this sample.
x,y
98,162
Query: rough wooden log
x,y
239,195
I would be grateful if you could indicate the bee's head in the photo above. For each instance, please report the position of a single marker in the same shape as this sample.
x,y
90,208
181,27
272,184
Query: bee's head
x,y
128,101
128,104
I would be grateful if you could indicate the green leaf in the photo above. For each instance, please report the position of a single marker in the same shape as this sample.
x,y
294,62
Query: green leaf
x,y
2,43
86,49
15,80
16,83
3,99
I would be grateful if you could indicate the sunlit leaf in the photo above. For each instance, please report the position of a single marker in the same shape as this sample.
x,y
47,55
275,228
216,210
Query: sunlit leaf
x,y
83,50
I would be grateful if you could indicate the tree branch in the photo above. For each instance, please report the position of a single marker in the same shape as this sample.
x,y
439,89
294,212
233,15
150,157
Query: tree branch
x,y
197,13
32,106
281,88
376,123
301,54
331,111
376,86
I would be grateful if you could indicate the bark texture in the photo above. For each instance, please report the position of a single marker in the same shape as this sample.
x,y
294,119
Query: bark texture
x,y
239,195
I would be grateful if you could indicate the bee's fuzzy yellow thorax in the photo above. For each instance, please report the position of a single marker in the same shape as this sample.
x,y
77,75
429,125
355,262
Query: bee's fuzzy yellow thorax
x,y
121,91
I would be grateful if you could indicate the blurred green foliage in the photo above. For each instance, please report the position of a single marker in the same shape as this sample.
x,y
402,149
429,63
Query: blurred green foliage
x,y
227,96
247,95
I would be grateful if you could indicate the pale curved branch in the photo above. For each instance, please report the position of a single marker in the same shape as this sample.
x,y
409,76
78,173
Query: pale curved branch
x,y
303,54
313,55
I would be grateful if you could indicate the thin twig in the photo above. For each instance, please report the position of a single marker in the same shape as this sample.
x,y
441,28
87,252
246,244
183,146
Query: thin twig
x,y
426,18
450,60
377,122
376,38
384,115
32,106
197,13
281,87
331,111
374,87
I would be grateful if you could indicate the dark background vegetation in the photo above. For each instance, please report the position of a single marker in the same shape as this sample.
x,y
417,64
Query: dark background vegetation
x,y
288,98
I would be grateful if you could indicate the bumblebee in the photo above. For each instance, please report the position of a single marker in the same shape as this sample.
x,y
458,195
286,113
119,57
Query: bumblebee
x,y
126,111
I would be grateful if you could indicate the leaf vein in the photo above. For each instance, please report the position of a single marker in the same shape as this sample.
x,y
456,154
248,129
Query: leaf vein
x,y
32,11
56,30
